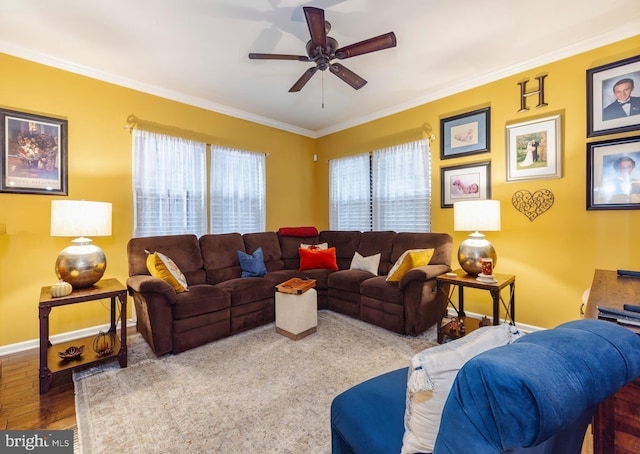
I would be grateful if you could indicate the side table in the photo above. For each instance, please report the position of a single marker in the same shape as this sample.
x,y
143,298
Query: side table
x,y
462,280
296,308
50,363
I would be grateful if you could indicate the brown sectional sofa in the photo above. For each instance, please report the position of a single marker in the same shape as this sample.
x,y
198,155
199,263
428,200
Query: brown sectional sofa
x,y
221,303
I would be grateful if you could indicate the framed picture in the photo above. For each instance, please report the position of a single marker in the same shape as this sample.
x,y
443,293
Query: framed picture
x,y
34,154
613,97
465,134
613,174
465,182
534,149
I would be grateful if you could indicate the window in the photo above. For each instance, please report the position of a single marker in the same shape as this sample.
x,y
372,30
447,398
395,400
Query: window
x,y
350,193
169,185
390,191
237,191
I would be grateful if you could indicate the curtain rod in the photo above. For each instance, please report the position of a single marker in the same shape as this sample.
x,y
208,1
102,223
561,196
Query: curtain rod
x,y
134,122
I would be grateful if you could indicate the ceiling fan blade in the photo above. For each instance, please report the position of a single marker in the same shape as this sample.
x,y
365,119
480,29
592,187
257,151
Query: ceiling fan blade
x,y
315,22
347,75
304,79
254,56
369,45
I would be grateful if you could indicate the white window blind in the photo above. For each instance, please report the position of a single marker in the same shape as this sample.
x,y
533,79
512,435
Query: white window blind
x,y
402,188
350,193
238,191
389,191
169,185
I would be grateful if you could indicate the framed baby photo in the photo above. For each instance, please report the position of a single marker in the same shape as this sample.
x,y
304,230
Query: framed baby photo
x,y
465,134
534,149
613,97
34,154
613,174
465,182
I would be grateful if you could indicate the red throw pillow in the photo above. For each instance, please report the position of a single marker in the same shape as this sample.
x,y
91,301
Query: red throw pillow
x,y
318,258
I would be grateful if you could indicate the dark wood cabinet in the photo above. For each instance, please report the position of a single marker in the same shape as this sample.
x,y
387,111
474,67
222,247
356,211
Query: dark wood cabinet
x,y
616,424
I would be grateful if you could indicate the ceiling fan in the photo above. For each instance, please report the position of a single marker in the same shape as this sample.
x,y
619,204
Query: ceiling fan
x,y
321,49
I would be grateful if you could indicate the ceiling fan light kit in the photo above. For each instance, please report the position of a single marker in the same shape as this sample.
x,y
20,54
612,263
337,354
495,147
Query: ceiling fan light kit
x,y
322,49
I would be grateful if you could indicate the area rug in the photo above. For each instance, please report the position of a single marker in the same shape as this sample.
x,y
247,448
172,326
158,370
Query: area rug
x,y
255,392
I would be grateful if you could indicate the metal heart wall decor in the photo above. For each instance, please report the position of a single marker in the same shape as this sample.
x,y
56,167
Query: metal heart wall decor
x,y
532,205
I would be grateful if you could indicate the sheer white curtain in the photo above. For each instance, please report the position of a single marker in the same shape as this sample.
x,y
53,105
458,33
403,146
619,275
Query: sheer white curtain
x,y
350,193
169,185
402,188
238,200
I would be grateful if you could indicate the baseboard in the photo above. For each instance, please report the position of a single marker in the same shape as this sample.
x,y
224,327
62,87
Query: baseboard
x,y
521,326
58,338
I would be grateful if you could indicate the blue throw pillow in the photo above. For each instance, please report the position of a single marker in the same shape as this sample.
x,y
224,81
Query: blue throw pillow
x,y
252,265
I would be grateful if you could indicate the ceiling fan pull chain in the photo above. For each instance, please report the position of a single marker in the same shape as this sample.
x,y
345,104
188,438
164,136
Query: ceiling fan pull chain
x,y
323,89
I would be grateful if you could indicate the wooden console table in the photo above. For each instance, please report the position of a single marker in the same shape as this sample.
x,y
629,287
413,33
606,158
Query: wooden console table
x,y
462,280
616,424
50,363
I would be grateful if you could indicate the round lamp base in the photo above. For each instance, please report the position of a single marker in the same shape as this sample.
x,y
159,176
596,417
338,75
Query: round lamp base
x,y
472,250
81,264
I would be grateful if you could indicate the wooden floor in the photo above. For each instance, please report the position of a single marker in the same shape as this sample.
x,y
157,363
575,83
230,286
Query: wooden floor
x,y
22,406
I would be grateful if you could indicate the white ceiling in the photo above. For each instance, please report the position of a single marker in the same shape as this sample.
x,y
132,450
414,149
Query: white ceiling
x,y
195,51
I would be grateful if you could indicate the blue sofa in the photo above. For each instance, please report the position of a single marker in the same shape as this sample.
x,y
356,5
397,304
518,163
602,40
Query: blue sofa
x,y
536,395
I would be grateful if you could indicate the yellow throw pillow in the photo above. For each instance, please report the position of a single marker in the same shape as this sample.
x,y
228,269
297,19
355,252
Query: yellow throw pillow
x,y
161,266
409,259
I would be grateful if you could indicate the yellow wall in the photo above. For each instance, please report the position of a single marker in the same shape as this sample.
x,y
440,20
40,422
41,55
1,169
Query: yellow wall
x,y
100,169
553,257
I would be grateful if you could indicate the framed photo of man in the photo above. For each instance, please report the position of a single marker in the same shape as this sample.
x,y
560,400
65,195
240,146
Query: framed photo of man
x,y
613,174
613,97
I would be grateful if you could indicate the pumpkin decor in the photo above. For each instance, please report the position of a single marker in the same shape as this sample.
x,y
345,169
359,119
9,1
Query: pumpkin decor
x,y
61,288
104,343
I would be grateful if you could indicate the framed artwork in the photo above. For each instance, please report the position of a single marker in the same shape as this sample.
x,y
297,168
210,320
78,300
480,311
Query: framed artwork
x,y
465,134
613,174
465,182
613,97
534,149
34,154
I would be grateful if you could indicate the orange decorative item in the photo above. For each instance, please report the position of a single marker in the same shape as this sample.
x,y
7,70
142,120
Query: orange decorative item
x,y
104,343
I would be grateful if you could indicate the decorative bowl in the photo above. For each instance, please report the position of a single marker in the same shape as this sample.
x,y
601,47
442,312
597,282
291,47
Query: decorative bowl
x,y
71,352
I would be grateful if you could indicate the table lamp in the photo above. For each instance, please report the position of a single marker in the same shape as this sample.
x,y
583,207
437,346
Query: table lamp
x,y
475,215
82,264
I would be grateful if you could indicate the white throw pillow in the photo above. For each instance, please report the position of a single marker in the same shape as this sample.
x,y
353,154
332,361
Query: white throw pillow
x,y
316,247
369,264
431,377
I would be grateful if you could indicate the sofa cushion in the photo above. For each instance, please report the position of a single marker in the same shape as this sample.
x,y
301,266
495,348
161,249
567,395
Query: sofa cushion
x,y
289,246
270,245
162,267
369,263
247,290
317,258
346,243
184,250
378,288
431,375
320,246
378,243
348,280
200,299
252,265
409,259
220,256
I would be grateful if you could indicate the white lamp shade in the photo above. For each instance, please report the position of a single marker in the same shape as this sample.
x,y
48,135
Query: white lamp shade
x,y
79,218
475,215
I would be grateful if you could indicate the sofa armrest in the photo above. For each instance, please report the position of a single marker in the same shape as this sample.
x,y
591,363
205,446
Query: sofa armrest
x,y
148,284
422,274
